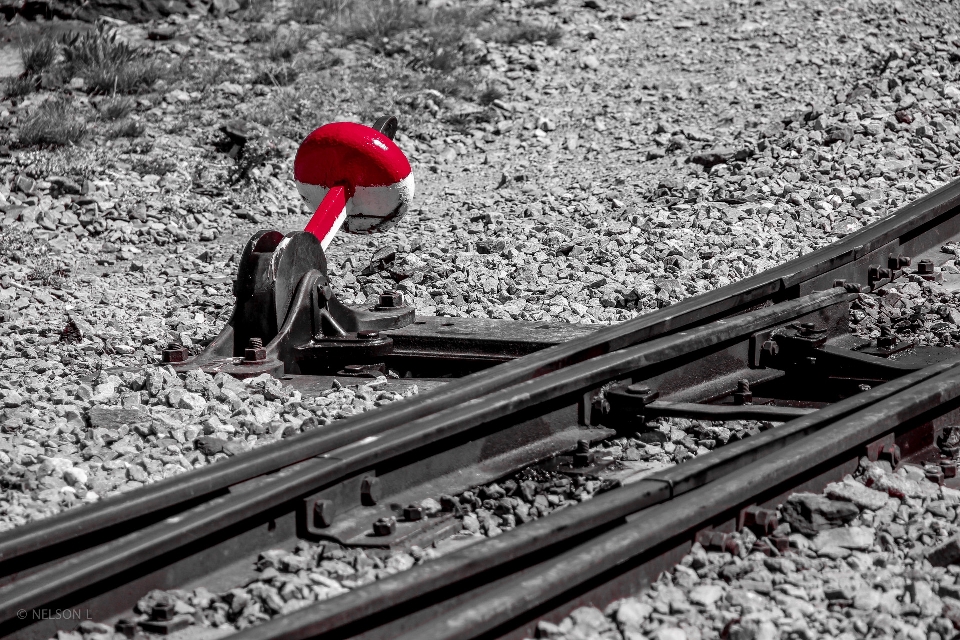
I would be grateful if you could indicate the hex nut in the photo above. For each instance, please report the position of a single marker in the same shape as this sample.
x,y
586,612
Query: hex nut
x,y
413,512
384,526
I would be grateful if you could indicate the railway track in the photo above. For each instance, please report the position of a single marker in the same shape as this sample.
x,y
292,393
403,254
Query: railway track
x,y
499,397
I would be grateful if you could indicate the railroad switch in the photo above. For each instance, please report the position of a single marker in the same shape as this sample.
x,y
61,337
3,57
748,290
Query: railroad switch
x,y
287,318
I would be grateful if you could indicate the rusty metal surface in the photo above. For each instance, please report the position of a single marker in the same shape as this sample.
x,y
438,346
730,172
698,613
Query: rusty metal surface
x,y
535,539
551,584
916,224
503,421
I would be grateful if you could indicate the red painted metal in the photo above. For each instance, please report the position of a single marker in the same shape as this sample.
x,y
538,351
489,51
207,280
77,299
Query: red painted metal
x,y
353,175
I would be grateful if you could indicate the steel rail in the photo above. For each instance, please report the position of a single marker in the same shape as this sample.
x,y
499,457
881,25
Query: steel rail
x,y
494,606
814,269
94,565
472,563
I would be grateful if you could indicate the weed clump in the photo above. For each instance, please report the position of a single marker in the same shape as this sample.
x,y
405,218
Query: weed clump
x,y
108,64
53,124
38,55
116,108
126,129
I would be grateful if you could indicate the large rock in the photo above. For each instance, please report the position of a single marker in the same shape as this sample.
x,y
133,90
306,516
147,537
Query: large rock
x,y
853,491
115,417
810,513
845,537
946,553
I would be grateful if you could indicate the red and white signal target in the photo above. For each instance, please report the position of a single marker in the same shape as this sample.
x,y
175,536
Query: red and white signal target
x,y
353,176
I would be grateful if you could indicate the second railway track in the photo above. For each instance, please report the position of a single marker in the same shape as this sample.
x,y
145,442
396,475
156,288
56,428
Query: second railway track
x,y
774,347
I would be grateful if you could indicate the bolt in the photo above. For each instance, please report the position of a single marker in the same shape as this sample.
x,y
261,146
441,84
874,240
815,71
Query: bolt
x,y
885,274
174,353
893,262
391,299
324,512
839,282
582,457
904,261
873,273
126,627
949,468
743,395
925,267
887,338
255,351
413,512
370,491
384,526
163,611
353,368
368,335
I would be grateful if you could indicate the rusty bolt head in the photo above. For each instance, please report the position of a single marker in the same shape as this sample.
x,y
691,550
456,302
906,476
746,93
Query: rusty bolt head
x,y
324,512
885,274
934,474
368,335
925,267
949,468
255,351
904,261
413,512
174,353
391,300
583,457
163,611
384,526
126,627
370,491
893,262
780,543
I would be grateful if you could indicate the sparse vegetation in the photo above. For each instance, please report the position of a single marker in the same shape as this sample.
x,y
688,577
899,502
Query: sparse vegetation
x,y
286,44
108,64
20,86
529,33
150,165
488,95
126,129
279,75
116,108
38,55
54,123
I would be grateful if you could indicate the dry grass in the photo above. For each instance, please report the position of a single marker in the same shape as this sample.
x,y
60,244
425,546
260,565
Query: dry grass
x,y
126,129
39,55
21,86
54,123
108,64
116,108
